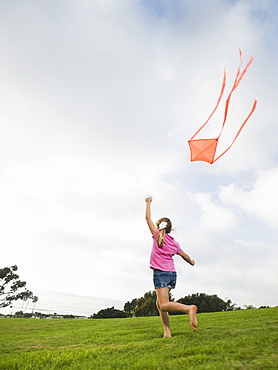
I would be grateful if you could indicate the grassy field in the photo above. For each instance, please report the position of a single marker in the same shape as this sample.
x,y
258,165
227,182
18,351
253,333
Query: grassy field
x,y
245,339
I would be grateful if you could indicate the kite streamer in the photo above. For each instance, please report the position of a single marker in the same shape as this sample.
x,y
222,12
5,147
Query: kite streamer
x,y
205,149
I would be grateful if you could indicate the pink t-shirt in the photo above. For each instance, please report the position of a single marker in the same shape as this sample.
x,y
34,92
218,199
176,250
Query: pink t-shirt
x,y
162,258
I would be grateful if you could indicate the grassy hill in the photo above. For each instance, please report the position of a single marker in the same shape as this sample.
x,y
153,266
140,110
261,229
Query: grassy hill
x,y
245,339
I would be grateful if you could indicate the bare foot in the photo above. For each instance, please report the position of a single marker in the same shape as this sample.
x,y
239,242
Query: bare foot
x,y
192,317
167,334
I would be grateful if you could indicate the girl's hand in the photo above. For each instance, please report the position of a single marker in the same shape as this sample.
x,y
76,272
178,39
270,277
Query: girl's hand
x,y
192,262
149,198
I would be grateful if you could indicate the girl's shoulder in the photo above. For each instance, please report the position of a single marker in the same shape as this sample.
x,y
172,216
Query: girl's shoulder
x,y
169,236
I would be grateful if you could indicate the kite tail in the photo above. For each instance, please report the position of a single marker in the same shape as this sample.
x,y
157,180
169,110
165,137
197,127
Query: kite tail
x,y
219,99
238,78
241,127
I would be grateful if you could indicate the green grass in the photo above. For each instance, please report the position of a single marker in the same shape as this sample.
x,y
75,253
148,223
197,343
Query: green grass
x,y
245,339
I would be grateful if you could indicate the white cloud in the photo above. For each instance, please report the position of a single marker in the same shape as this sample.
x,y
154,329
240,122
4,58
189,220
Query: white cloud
x,y
260,201
214,218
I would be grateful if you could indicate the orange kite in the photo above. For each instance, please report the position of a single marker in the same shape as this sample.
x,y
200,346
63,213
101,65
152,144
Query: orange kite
x,y
204,149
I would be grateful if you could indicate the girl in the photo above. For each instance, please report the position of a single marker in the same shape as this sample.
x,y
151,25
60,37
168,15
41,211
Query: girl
x,y
164,273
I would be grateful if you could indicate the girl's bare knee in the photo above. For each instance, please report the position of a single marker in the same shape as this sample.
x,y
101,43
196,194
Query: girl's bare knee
x,y
163,307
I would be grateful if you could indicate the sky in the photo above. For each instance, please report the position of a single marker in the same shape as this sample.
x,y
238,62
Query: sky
x,y
97,102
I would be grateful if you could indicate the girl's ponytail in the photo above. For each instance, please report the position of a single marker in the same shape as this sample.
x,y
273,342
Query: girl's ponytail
x,y
160,238
165,226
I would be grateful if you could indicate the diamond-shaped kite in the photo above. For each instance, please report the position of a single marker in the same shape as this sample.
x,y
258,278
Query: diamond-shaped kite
x,y
205,149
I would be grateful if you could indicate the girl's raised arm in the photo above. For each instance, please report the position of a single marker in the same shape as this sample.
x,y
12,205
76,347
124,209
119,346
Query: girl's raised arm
x,y
151,225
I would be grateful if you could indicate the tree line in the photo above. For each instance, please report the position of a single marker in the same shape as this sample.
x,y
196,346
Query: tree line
x,y
146,305
39,315
13,289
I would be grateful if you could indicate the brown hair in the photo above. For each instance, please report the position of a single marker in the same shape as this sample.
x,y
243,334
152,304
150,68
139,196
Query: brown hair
x,y
167,229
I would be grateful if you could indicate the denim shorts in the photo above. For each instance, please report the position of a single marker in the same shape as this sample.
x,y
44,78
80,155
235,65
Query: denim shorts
x,y
164,279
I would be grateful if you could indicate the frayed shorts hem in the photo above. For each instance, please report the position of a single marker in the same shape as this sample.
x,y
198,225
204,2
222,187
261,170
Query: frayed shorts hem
x,y
164,279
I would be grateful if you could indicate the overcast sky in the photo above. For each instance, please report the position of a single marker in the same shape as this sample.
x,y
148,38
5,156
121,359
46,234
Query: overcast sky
x,y
97,101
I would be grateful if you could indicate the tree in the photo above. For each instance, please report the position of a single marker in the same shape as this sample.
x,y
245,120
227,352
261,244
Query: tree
x,y
130,306
249,307
146,306
207,303
68,316
19,314
231,306
12,288
108,313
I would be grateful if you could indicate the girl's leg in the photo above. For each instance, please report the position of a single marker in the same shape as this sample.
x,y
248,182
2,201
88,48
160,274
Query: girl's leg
x,y
165,321
166,306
